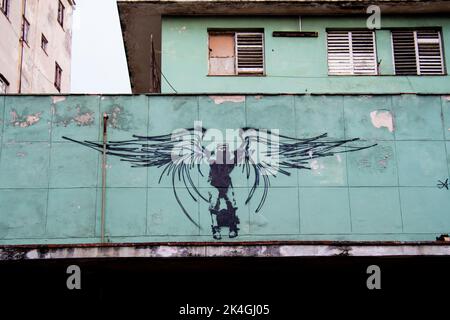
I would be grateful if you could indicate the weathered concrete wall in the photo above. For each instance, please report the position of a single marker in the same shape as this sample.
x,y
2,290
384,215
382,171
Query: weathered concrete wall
x,y
50,188
293,65
38,68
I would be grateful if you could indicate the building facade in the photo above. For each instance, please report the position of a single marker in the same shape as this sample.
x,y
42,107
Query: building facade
x,y
35,46
300,46
356,119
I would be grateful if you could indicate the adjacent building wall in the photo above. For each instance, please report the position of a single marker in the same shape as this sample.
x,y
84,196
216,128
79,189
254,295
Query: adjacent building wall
x,y
293,65
50,188
38,67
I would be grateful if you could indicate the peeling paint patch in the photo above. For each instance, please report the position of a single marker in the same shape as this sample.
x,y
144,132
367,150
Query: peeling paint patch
x,y
24,120
81,116
223,99
119,118
84,119
382,119
58,99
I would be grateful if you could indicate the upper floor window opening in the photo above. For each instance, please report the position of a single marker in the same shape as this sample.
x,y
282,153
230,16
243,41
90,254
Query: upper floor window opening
x,y
44,43
418,52
351,52
58,76
4,84
61,10
236,53
4,7
25,30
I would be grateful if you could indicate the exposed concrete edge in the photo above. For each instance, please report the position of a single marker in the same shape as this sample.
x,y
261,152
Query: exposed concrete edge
x,y
172,250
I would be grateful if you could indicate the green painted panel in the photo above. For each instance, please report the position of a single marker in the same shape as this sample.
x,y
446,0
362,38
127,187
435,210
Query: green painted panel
x,y
446,114
395,188
423,112
25,165
423,210
22,213
325,217
71,213
375,210
127,208
421,163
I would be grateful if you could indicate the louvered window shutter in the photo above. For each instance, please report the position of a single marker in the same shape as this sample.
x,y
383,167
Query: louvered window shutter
x,y
351,53
430,52
250,52
417,52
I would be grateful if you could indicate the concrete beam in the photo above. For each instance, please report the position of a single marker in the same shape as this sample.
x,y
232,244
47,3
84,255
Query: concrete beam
x,y
283,7
180,250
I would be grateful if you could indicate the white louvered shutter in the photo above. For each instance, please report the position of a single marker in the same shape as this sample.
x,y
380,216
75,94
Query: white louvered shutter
x,y
250,52
430,52
417,52
351,53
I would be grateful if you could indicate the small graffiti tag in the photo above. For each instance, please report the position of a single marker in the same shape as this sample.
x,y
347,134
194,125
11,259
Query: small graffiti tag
x,y
443,184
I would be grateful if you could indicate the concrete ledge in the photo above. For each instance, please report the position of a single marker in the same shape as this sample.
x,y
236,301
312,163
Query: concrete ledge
x,y
260,249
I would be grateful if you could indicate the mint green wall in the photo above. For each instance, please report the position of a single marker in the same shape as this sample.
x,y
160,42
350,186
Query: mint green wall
x,y
50,188
293,65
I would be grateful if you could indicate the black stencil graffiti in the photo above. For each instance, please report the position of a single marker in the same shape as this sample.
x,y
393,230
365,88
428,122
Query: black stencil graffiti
x,y
443,184
258,154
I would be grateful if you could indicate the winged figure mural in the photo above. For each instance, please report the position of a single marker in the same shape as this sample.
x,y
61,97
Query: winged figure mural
x,y
257,154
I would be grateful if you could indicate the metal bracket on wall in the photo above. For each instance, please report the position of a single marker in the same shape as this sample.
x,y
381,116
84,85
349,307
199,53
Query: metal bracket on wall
x,y
295,34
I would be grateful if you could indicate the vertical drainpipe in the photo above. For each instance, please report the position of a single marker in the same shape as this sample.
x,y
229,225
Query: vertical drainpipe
x,y
105,128
21,41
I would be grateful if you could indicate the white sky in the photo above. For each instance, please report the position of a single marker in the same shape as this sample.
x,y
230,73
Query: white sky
x,y
98,57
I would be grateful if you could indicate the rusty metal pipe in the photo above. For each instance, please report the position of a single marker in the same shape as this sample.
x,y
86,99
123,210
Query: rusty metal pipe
x,y
105,136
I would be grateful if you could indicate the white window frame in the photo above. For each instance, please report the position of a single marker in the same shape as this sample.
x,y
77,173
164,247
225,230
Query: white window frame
x,y
247,71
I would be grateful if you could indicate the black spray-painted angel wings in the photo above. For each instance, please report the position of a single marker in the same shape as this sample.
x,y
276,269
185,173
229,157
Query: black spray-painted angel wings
x,y
259,154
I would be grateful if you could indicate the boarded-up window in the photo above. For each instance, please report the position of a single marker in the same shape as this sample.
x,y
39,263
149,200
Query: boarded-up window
x,y
235,53
351,53
417,52
222,54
